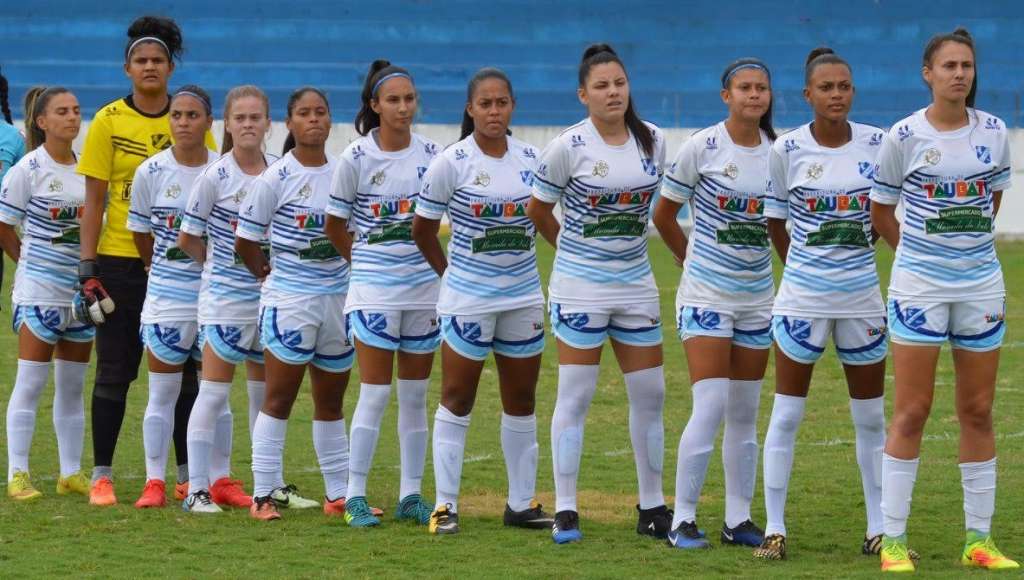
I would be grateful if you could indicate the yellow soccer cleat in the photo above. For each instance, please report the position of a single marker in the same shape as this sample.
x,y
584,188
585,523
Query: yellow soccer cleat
x,y
75,483
895,555
980,551
20,487
444,521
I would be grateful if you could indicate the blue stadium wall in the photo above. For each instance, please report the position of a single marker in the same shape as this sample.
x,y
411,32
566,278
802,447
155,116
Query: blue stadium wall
x,y
675,50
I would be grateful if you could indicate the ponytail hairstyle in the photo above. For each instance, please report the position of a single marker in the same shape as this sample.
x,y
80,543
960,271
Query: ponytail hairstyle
x,y
289,141
481,75
963,37
5,103
233,95
380,70
819,56
596,54
157,30
36,100
747,63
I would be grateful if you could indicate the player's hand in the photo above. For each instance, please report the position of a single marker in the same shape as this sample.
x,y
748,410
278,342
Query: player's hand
x,y
91,302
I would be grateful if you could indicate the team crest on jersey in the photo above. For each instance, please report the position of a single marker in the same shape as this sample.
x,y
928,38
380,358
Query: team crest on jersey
x,y
904,132
577,141
867,169
800,329
791,146
576,320
471,330
932,156
914,317
160,141
50,318
305,192
56,186
231,335
291,338
731,170
984,153
170,335
992,123
707,319
378,178
876,139
377,321
283,173
430,149
815,171
238,197
529,153
460,155
526,176
222,173
357,152
173,192
482,179
711,143
420,171
650,168
600,169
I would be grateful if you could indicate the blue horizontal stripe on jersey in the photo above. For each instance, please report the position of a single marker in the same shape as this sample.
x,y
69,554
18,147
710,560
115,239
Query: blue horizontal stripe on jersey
x,y
819,282
590,251
587,271
714,254
478,288
729,283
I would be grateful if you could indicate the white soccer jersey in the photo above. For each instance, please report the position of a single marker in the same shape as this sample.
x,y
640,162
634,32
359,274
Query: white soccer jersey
x,y
606,193
377,192
291,200
945,179
229,293
492,256
47,199
830,270
728,257
160,191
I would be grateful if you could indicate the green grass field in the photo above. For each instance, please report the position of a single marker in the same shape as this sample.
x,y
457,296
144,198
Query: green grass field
x,y
58,536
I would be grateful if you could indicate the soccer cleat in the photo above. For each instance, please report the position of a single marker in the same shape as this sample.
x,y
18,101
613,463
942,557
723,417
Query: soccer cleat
x,y
444,521
412,508
181,490
358,514
102,492
686,536
872,546
566,528
154,494
264,508
334,508
895,556
229,492
772,548
533,517
745,534
981,551
74,483
656,522
288,497
20,487
200,502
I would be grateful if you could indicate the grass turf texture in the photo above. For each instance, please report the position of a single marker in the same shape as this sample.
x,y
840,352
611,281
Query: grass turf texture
x,y
825,516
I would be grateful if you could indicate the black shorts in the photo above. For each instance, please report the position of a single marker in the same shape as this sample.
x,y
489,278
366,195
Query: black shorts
x,y
118,345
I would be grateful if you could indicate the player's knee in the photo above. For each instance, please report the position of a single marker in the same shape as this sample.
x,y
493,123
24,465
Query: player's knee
x,y
459,403
278,405
975,416
909,421
117,392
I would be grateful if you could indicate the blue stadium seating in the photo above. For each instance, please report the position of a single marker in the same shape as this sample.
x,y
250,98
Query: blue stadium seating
x,y
675,50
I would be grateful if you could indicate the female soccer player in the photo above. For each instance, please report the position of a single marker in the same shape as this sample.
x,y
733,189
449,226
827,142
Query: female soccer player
x,y
490,298
821,178
228,300
724,299
122,135
604,171
169,314
301,317
43,194
949,164
392,297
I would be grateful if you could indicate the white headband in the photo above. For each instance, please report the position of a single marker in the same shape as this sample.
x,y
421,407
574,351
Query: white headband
x,y
132,46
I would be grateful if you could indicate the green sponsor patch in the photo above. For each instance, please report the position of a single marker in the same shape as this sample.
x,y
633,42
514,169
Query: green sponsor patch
x,y
68,236
176,254
503,239
839,233
616,225
265,248
319,249
956,220
397,232
743,234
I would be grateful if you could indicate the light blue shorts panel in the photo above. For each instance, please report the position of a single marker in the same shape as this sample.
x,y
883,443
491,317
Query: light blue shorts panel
x,y
588,327
978,325
172,342
312,332
517,333
233,344
748,328
412,331
51,324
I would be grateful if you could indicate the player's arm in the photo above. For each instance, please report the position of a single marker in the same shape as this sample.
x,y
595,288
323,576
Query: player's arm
x,y
253,221
194,246
886,191
672,234
10,242
144,244
336,229
542,214
92,216
253,257
424,234
779,236
883,220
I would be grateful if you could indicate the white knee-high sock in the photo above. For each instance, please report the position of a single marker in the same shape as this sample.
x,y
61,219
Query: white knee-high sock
x,y
223,440
256,390
779,444
519,445
646,391
739,449
373,401
331,446
449,451
898,477
158,423
412,433
869,423
696,444
979,482
69,413
268,438
576,387
21,413
202,427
